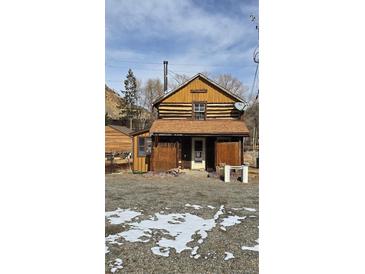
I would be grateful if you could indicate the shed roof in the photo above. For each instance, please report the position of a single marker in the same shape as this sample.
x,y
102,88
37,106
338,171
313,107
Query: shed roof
x,y
140,131
122,129
196,127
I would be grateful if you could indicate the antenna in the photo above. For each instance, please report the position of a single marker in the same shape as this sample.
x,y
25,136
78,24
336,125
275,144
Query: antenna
x,y
240,106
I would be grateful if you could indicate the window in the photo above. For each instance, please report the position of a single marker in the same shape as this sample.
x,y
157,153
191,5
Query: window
x,y
199,111
144,146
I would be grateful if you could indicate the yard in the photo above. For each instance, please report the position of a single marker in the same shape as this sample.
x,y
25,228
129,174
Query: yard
x,y
184,224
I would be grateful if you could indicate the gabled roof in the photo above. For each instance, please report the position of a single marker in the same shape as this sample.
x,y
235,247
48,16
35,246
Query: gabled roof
x,y
121,129
158,100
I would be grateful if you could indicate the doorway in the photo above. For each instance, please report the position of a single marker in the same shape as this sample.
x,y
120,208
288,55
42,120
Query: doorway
x,y
198,153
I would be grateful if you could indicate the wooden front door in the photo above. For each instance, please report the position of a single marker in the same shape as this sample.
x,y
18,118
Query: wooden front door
x,y
198,153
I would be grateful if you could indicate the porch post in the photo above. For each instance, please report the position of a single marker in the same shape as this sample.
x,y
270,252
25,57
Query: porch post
x,y
242,157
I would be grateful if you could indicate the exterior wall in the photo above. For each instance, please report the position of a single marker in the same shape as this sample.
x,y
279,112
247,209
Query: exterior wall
x,y
140,164
212,94
219,105
116,141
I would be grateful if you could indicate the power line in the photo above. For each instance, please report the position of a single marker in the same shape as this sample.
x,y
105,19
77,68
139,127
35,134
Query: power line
x,y
113,66
177,64
254,82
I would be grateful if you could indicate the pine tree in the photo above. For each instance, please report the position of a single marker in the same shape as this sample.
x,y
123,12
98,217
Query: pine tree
x,y
130,94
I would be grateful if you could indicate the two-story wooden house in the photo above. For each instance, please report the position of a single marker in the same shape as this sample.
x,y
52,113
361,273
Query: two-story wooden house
x,y
198,127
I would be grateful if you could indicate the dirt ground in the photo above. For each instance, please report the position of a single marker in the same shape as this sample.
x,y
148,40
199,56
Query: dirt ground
x,y
152,194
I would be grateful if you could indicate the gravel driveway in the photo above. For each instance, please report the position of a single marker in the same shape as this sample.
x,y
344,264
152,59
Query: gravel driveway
x,y
232,210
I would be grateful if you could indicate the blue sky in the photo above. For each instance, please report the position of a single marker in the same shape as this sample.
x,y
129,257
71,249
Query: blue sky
x,y
193,36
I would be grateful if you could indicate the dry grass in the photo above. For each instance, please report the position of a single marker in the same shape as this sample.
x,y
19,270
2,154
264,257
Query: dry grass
x,y
155,193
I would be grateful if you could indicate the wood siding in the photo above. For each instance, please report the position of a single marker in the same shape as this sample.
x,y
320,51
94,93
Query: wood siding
x,y
228,153
224,110
140,164
219,105
175,111
164,156
116,141
213,94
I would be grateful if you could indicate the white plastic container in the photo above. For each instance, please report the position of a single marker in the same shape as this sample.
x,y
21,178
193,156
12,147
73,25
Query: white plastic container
x,y
227,173
245,173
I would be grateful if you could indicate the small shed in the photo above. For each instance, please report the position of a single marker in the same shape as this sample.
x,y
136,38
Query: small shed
x,y
141,150
118,139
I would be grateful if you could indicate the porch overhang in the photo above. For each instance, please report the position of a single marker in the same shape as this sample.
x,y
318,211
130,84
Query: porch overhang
x,y
163,127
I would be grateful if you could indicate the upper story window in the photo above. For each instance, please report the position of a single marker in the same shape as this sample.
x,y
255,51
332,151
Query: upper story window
x,y
199,111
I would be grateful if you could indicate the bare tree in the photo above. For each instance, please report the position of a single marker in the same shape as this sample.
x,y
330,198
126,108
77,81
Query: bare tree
x,y
232,84
225,80
178,80
151,91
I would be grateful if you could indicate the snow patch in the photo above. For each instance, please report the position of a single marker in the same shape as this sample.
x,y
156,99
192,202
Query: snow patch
x,y
181,227
252,248
121,216
161,251
176,229
219,212
249,209
194,206
230,221
112,239
229,256
211,207
194,251
118,264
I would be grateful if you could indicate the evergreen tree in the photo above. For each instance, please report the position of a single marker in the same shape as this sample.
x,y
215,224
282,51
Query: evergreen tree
x,y
130,96
130,89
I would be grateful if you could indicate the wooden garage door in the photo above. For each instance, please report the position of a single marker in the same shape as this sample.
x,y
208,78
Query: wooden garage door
x,y
228,153
164,156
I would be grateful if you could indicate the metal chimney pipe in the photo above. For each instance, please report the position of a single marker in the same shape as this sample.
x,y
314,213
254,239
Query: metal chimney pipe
x,y
165,76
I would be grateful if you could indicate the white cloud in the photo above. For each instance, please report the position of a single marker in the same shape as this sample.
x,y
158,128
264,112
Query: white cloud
x,y
182,32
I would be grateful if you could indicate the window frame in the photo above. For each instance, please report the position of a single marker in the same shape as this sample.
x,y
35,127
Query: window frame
x,y
205,110
146,148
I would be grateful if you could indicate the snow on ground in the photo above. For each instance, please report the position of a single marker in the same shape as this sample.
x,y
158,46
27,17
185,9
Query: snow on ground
x,y
194,206
229,256
211,207
118,264
231,220
121,216
161,251
177,230
194,251
180,226
219,212
245,208
252,248
112,239
249,209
